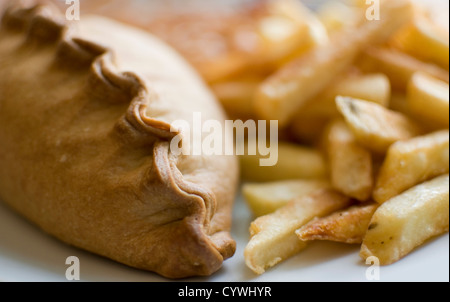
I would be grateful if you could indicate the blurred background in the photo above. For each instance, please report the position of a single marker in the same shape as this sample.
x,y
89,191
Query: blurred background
x,y
236,45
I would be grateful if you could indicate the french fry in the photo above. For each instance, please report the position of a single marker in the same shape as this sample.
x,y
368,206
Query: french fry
x,y
236,95
310,121
350,164
285,29
285,92
294,162
308,129
346,226
266,198
399,103
374,126
428,98
398,66
423,32
273,236
407,221
289,30
375,88
411,162
336,16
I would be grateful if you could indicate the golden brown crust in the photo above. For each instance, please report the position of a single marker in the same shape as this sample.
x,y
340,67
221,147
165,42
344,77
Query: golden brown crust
x,y
347,226
85,145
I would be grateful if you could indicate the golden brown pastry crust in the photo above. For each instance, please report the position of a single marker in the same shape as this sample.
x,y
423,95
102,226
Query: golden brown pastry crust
x,y
84,130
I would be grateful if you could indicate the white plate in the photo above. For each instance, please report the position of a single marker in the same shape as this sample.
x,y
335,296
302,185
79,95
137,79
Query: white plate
x,y
27,254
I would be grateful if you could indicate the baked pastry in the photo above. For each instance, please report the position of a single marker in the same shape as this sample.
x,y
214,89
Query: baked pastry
x,y
85,114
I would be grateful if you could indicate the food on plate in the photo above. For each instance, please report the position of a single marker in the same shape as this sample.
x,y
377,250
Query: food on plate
x,y
85,132
406,221
361,149
399,103
346,226
290,88
265,198
273,236
423,32
370,87
428,99
374,126
224,43
310,121
307,129
336,15
236,95
351,170
378,114
398,66
412,162
294,162
257,37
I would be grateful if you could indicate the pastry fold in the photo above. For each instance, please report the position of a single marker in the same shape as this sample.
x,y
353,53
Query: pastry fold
x,y
85,115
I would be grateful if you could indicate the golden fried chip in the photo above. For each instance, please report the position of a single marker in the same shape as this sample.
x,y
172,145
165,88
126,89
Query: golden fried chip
x,y
346,226
407,221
